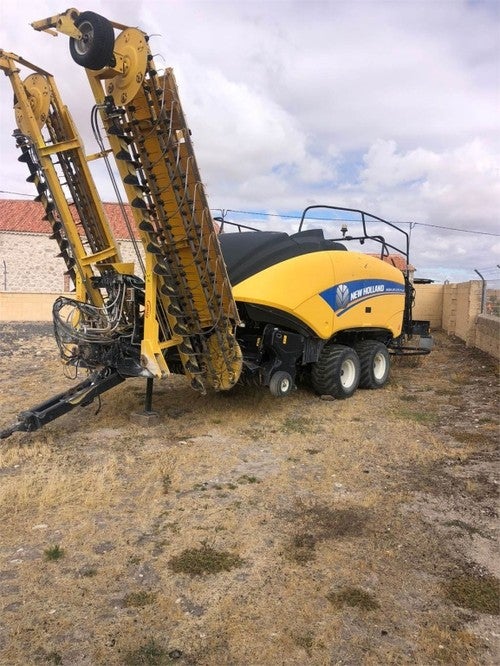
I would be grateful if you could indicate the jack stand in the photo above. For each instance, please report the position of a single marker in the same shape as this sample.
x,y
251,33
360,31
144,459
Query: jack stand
x,y
148,417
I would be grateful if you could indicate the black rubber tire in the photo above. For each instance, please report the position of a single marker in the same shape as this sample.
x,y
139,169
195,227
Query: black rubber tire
x,y
375,364
337,372
281,384
95,49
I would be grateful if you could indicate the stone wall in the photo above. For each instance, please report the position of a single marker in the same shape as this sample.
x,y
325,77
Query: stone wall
x,y
31,263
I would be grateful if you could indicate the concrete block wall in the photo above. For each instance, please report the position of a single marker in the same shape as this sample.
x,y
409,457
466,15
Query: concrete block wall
x,y
429,304
488,335
26,307
449,320
468,307
452,307
455,308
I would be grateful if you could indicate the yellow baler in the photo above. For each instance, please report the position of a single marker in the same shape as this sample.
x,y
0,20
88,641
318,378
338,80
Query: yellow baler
x,y
311,309
265,307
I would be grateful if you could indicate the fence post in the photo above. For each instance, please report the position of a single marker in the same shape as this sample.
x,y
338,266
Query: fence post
x,y
483,292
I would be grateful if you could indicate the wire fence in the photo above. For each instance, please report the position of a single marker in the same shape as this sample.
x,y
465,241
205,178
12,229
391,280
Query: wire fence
x,y
491,297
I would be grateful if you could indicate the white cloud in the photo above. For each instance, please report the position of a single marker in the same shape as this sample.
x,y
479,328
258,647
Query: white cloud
x,y
385,167
389,106
454,188
262,130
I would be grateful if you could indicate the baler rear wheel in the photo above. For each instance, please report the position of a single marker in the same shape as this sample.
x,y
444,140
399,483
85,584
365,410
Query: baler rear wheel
x,y
95,48
375,364
336,372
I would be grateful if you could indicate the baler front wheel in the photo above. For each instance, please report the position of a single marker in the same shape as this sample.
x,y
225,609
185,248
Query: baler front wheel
x,y
95,48
281,384
375,364
336,372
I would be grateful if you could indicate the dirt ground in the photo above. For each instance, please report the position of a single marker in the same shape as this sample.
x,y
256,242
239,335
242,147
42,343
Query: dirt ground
x,y
249,530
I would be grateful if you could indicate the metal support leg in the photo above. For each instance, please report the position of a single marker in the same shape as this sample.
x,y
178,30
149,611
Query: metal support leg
x,y
148,417
148,403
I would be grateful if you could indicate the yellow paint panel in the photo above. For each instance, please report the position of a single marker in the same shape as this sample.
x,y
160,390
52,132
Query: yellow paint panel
x,y
318,315
294,286
288,284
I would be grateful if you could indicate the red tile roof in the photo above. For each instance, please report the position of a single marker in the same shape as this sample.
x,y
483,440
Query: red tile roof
x,y
27,217
396,260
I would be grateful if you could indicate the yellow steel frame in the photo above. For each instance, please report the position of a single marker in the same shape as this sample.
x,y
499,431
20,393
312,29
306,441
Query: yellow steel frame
x,y
213,307
31,125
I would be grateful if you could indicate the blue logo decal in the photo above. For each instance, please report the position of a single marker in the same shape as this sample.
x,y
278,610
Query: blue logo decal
x,y
342,297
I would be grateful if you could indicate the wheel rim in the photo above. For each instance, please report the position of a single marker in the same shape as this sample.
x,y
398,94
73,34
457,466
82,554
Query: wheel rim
x,y
284,385
379,366
83,45
348,373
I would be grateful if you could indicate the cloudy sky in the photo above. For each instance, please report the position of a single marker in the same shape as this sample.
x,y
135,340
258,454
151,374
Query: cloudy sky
x,y
391,107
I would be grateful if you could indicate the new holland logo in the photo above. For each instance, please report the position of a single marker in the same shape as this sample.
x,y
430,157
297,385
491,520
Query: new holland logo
x,y
341,296
346,295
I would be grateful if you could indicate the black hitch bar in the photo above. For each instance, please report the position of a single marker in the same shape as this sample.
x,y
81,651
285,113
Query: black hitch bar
x,y
80,395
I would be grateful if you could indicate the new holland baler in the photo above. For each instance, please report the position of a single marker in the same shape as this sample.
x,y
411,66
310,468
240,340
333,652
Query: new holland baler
x,y
267,307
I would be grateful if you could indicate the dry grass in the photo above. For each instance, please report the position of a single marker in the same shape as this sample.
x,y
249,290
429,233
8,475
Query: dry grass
x,y
139,599
246,530
353,597
50,485
449,643
479,593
